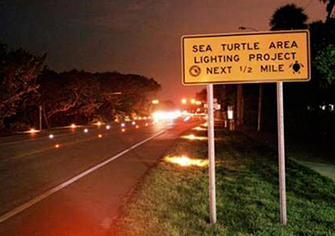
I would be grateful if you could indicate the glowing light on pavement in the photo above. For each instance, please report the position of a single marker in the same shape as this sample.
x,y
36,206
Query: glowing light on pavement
x,y
85,130
99,123
57,145
100,136
186,161
108,127
137,126
32,131
51,136
73,126
123,130
193,137
123,124
199,128
146,124
133,123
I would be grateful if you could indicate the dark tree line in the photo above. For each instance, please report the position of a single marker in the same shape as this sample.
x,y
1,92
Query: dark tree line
x,y
26,86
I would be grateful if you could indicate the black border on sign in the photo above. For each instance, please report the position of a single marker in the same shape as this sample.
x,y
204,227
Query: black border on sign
x,y
245,34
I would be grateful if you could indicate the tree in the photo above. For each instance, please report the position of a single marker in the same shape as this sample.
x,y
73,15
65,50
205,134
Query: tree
x,y
18,72
329,8
288,17
126,95
68,94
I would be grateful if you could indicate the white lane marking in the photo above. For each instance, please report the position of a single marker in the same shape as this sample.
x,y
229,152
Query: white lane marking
x,y
46,194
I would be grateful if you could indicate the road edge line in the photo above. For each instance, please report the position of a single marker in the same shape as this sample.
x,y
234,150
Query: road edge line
x,y
75,178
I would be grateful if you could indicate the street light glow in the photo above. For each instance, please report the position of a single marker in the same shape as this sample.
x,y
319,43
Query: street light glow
x,y
192,101
51,136
184,101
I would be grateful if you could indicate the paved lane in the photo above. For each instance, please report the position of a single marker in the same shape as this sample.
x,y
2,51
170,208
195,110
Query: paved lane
x,y
88,206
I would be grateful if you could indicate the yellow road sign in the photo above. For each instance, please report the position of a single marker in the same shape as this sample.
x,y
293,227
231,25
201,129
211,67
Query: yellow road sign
x,y
246,57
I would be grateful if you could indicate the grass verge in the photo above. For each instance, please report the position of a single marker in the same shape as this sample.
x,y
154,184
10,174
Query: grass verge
x,y
173,200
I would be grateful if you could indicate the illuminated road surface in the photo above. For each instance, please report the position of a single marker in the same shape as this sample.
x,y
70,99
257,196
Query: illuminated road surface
x,y
72,182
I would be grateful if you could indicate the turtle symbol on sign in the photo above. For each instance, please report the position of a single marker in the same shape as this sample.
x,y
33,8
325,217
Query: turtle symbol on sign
x,y
195,71
296,66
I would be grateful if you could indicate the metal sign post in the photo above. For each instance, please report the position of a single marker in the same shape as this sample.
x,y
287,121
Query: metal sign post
x,y
281,153
211,155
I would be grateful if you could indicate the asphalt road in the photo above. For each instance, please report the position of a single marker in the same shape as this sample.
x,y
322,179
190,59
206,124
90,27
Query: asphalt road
x,y
79,187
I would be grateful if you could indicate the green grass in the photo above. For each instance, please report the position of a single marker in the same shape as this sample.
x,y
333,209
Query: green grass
x,y
173,200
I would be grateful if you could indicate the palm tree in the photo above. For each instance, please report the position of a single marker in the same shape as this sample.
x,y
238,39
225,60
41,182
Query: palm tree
x,y
288,17
329,8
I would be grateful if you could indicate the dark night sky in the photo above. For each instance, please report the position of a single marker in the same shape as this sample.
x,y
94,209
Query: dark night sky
x,y
129,36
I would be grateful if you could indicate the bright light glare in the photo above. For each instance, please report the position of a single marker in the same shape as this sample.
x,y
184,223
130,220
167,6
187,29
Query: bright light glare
x,y
146,124
133,123
187,118
198,103
185,161
193,137
156,101
192,101
166,115
99,123
123,124
100,135
85,130
108,127
73,126
57,146
123,130
137,126
184,101
51,136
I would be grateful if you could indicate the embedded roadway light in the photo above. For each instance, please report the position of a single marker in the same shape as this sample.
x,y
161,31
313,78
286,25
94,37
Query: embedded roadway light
x,y
57,145
100,136
186,161
32,131
155,101
123,124
85,130
108,127
73,126
51,136
133,123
